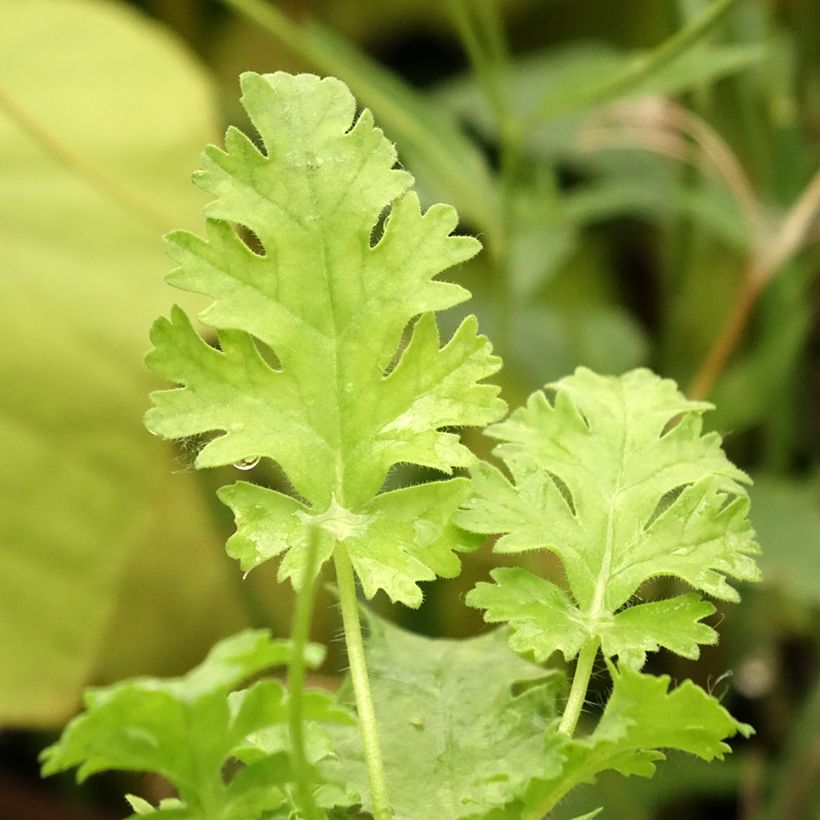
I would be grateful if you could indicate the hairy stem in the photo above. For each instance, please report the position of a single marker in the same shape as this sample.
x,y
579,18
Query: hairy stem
x,y
580,682
296,680
368,726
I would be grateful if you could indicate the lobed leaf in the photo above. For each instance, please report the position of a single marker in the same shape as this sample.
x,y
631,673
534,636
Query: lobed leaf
x,y
322,365
641,718
186,728
545,619
399,537
614,476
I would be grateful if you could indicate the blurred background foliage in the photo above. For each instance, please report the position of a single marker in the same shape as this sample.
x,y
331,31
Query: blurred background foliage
x,y
644,177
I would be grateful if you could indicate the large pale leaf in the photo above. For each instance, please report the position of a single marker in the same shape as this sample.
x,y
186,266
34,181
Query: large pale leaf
x,y
461,722
331,304
93,160
613,475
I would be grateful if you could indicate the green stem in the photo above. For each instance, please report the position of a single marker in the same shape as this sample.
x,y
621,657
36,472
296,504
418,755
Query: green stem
x,y
647,65
486,51
580,682
481,30
368,726
296,680
569,720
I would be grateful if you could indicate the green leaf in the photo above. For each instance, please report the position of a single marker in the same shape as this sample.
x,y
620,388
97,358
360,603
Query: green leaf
x,y
612,475
88,502
786,514
398,538
346,399
544,618
168,808
185,728
562,82
462,722
641,718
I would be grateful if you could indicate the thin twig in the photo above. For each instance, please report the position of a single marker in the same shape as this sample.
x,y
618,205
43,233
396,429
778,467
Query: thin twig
x,y
662,126
764,263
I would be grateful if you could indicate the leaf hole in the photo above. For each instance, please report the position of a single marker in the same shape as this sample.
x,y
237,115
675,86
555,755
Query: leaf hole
x,y
377,231
672,424
249,238
728,498
664,503
404,341
565,491
267,354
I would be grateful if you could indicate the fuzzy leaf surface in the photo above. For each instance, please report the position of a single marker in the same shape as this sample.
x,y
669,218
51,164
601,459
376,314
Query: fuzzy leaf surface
x,y
186,728
462,722
322,364
613,475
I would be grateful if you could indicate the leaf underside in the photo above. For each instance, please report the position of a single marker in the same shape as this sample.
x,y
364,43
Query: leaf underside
x,y
322,364
614,476
462,722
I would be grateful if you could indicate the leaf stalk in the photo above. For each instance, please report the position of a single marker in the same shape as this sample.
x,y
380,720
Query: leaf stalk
x,y
300,634
580,683
368,725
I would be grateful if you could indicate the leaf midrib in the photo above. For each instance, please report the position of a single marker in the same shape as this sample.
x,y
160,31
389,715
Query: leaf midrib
x,y
596,607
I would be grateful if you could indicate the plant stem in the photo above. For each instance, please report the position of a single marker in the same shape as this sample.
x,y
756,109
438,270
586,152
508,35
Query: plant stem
x,y
296,679
481,30
768,256
634,74
368,726
580,682
727,340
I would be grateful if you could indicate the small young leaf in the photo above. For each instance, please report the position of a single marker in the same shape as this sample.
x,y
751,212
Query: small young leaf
x,y
345,400
614,477
462,723
642,717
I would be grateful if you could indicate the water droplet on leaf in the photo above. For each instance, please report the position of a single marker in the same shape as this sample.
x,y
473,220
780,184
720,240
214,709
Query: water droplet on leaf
x,y
247,463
